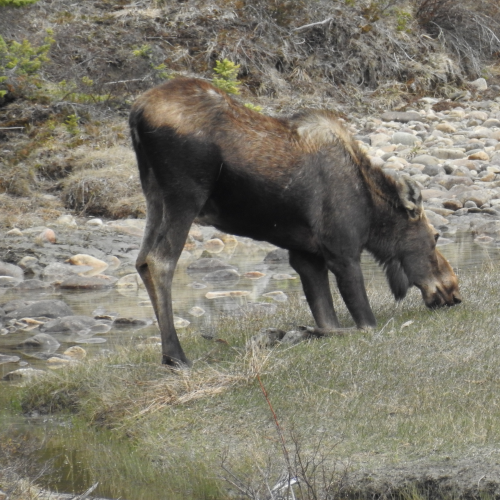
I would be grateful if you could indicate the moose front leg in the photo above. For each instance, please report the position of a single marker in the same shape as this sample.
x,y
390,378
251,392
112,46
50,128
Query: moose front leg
x,y
347,271
313,274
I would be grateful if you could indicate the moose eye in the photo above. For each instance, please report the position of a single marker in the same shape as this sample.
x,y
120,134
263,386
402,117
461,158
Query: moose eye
x,y
436,237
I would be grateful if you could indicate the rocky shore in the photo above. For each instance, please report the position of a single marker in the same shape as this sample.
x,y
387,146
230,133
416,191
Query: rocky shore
x,y
452,150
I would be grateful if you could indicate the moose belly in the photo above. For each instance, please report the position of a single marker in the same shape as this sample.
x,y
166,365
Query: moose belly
x,y
265,218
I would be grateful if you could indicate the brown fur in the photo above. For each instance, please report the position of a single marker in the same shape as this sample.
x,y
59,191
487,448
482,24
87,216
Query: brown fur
x,y
300,182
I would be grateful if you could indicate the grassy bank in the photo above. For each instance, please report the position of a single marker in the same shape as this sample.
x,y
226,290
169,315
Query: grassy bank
x,y
423,386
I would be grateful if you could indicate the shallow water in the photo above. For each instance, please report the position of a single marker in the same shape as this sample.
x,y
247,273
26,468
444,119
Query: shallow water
x,y
274,284
190,291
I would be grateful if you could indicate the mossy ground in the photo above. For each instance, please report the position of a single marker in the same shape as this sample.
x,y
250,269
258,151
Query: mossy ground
x,y
420,388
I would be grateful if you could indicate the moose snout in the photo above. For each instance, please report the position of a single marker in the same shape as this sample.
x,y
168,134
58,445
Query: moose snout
x,y
442,298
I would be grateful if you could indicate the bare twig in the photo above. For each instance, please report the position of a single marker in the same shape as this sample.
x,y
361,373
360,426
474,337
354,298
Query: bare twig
x,y
86,493
325,21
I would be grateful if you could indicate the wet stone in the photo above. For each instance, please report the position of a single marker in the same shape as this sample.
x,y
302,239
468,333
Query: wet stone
x,y
92,340
41,341
278,296
267,308
401,116
88,282
11,270
207,265
254,275
75,352
47,308
56,271
196,311
26,374
131,281
15,304
181,322
4,358
278,255
222,275
33,284
8,282
123,322
68,324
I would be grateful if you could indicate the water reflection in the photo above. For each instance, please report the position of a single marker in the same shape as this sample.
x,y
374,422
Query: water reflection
x,y
197,301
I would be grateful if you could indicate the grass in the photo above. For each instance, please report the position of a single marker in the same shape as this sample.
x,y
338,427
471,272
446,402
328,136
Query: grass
x,y
422,386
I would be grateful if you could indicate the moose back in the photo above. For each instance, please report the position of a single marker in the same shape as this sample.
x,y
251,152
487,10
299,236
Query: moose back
x,y
299,182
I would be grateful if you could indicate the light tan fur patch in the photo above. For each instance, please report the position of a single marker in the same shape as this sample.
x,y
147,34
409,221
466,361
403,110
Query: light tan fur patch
x,y
318,129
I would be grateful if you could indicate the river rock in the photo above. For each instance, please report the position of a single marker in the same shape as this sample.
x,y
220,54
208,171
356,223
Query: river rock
x,y
479,197
492,122
66,220
14,232
278,296
228,293
480,133
181,322
405,139
254,275
214,245
25,374
33,284
276,256
8,281
283,276
448,153
401,116
228,275
46,236
12,270
68,324
130,281
268,308
94,222
75,352
28,263
435,219
446,127
57,271
46,308
98,282
479,155
452,204
40,341
479,85
82,259
425,159
495,159
206,265
10,306
4,358
196,311
123,322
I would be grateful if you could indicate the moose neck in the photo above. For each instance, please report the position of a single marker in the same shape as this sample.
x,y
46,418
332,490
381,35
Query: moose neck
x,y
387,216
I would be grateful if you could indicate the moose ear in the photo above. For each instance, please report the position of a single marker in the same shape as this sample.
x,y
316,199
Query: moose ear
x,y
410,196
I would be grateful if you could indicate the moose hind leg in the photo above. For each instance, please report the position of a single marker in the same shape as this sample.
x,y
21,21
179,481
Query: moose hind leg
x,y
313,273
161,247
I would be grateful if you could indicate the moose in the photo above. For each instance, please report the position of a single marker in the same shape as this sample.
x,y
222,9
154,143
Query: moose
x,y
301,183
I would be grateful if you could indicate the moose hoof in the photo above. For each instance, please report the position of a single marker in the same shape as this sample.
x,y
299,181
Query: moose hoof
x,y
175,363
